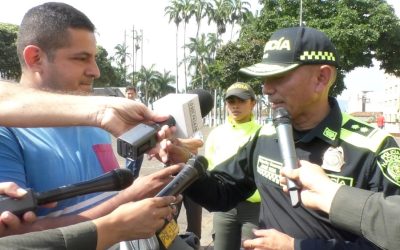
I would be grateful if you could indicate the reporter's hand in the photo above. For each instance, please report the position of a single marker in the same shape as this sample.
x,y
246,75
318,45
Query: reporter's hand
x,y
192,144
134,220
150,185
10,223
317,190
121,114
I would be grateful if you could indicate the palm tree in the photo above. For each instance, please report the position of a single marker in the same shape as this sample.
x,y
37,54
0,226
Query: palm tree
x,y
186,13
238,12
120,56
200,60
219,13
213,41
173,11
163,84
199,10
146,77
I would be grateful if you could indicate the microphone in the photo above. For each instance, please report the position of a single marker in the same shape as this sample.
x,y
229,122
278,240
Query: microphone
x,y
114,180
186,112
194,168
282,122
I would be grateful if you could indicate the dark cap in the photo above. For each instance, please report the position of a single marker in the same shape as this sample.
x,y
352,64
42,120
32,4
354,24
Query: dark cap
x,y
290,47
241,90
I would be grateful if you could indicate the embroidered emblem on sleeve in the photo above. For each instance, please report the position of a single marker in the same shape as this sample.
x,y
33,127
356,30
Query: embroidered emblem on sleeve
x,y
389,162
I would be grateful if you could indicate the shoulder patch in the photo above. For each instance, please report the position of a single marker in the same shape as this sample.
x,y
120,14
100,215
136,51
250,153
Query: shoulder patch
x,y
358,127
389,163
362,134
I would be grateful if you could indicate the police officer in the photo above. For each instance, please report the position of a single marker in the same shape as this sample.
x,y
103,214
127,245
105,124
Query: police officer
x,y
298,68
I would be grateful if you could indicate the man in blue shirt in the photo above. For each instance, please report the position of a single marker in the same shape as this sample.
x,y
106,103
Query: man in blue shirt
x,y
56,47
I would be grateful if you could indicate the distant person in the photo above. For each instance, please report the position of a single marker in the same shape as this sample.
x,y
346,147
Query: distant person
x,y
131,93
380,121
222,143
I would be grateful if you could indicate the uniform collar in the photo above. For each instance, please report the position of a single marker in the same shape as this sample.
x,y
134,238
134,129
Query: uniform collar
x,y
240,125
328,129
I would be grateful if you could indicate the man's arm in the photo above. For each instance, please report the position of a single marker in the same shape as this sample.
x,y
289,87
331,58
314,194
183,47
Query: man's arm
x,y
27,107
79,236
134,220
366,213
369,214
143,187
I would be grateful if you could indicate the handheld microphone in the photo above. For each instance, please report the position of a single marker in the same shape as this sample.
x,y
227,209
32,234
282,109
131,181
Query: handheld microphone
x,y
114,180
194,168
186,112
282,122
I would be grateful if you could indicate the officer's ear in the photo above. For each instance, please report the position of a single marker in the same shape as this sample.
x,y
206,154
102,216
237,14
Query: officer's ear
x,y
325,78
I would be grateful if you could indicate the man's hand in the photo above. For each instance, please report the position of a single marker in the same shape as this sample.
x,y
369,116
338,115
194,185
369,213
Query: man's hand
x,y
176,150
121,114
135,220
10,223
191,144
317,190
269,239
150,185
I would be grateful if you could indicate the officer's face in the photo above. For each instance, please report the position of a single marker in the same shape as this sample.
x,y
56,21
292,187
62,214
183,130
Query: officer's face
x,y
240,110
296,91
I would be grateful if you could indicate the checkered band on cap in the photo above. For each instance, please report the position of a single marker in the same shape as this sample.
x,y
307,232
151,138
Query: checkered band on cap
x,y
317,56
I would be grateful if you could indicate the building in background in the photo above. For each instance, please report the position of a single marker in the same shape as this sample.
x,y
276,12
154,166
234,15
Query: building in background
x,y
367,103
391,101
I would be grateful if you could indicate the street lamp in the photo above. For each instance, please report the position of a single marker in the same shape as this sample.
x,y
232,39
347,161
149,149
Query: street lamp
x,y
364,99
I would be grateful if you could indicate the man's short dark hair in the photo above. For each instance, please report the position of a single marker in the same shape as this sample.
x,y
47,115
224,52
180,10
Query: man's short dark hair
x,y
46,26
130,88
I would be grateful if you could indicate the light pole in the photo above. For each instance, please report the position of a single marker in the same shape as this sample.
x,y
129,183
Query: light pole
x,y
301,13
364,99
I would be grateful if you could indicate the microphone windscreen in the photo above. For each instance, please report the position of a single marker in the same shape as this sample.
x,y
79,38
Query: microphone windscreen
x,y
200,164
123,178
205,99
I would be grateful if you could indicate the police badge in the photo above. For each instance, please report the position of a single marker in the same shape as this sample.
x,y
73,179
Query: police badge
x,y
333,159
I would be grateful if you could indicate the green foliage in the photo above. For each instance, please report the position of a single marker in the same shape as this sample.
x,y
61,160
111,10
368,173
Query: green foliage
x,y
9,64
238,55
361,30
108,76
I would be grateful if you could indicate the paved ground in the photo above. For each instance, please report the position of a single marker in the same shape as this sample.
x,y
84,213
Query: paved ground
x,y
206,240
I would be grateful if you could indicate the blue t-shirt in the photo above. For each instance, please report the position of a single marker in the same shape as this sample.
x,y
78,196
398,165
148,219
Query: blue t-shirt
x,y
47,158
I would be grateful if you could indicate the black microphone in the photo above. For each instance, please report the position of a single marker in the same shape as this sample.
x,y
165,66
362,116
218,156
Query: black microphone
x,y
283,125
114,180
194,168
187,111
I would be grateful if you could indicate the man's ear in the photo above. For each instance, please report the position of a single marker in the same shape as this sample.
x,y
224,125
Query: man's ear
x,y
33,57
324,77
